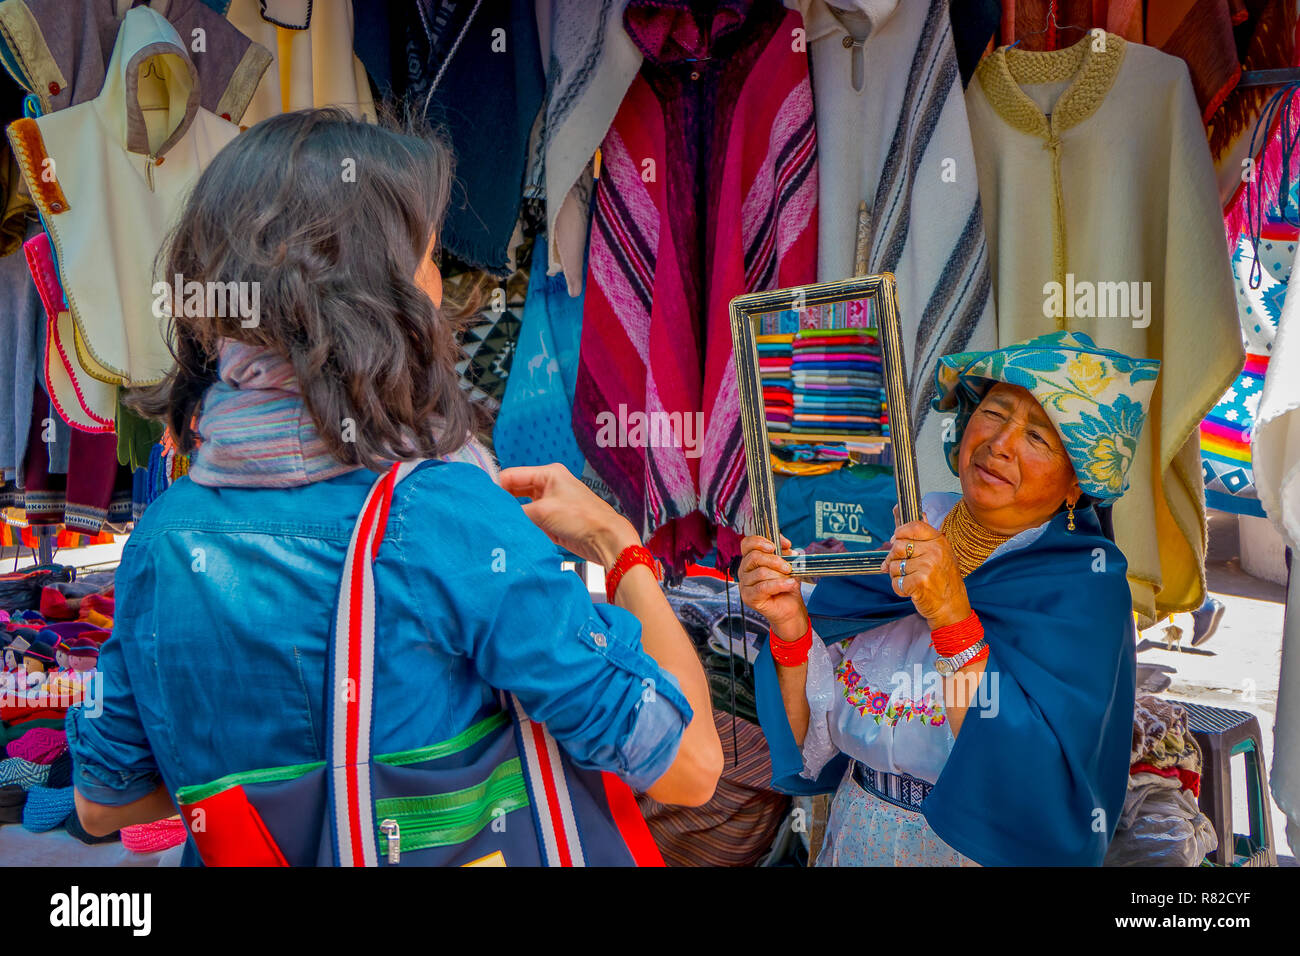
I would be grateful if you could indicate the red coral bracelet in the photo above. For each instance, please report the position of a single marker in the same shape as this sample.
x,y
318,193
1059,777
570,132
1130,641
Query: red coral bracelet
x,y
952,639
791,653
627,559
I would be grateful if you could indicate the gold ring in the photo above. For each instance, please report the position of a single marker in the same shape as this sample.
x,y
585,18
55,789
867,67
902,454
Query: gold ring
x,y
909,549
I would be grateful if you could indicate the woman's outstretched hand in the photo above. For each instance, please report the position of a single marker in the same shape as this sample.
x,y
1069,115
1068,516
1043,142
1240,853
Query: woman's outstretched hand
x,y
570,513
767,587
930,577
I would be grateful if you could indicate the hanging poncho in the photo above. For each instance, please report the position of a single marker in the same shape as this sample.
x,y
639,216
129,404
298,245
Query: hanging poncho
x,y
708,190
125,163
1105,219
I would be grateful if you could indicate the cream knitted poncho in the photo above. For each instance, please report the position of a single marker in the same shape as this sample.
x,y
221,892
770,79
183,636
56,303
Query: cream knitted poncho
x,y
1102,216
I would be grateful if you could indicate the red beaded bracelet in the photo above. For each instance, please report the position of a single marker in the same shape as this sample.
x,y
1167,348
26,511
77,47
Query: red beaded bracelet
x,y
627,559
791,653
952,639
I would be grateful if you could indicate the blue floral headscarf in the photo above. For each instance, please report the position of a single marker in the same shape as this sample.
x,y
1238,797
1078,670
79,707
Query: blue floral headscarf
x,y
1097,399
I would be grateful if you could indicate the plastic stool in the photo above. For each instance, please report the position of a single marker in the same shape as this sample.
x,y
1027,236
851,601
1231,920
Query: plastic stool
x,y
1222,735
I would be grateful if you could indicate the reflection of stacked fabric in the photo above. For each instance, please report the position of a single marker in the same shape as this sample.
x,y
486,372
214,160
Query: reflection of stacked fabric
x,y
838,387
774,360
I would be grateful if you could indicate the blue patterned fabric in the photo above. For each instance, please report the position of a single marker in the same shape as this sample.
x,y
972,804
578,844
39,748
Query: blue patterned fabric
x,y
1261,271
535,424
1097,399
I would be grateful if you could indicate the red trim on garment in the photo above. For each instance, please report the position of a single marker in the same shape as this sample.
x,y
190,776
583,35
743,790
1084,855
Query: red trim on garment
x,y
631,824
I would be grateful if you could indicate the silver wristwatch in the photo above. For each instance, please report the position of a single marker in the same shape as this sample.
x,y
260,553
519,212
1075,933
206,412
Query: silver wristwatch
x,y
947,666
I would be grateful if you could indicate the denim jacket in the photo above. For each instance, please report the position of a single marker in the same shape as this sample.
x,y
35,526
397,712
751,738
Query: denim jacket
x,y
225,598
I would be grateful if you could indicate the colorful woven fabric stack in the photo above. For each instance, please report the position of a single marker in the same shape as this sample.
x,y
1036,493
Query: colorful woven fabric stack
x,y
774,358
838,386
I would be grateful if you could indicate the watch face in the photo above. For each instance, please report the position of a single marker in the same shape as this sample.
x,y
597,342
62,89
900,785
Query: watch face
x,y
943,667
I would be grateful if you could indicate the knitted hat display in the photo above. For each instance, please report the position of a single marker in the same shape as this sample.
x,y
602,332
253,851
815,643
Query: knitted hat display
x,y
55,607
47,808
98,608
66,630
16,770
73,826
98,620
60,771
154,837
40,745
12,800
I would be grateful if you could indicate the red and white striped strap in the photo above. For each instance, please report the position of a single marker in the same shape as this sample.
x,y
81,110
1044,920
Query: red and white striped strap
x,y
354,657
561,843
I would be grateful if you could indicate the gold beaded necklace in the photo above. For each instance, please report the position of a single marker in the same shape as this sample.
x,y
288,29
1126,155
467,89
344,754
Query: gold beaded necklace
x,y
971,542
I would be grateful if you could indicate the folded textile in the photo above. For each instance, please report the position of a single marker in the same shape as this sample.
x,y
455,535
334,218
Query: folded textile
x,y
1187,779
74,827
857,398
12,799
1161,737
834,368
60,771
833,428
47,808
39,745
154,837
847,352
842,354
24,773
836,335
54,605
851,399
843,376
806,416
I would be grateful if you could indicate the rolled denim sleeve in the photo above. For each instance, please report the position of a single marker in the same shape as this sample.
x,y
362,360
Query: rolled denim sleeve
x,y
531,628
112,760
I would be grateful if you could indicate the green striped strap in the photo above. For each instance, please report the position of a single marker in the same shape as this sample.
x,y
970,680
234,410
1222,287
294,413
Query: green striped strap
x,y
446,819
466,738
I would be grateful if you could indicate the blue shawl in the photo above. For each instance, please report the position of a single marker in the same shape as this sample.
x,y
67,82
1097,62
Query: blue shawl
x,y
1041,782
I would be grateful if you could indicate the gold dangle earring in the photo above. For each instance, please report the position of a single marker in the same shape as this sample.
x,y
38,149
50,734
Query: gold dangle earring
x,y
1070,513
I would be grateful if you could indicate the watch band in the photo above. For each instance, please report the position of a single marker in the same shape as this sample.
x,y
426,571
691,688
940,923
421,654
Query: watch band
x,y
947,666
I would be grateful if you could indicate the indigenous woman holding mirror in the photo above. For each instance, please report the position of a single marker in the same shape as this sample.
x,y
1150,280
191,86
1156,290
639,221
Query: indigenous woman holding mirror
x,y
974,705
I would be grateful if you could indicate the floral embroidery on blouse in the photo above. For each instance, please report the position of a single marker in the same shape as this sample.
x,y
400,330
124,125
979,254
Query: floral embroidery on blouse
x,y
876,703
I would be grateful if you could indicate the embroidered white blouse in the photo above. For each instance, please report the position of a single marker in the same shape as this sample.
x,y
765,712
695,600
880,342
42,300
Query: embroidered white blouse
x,y
877,697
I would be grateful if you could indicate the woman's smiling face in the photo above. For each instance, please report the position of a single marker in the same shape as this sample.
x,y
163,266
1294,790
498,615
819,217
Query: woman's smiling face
x,y
1013,467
